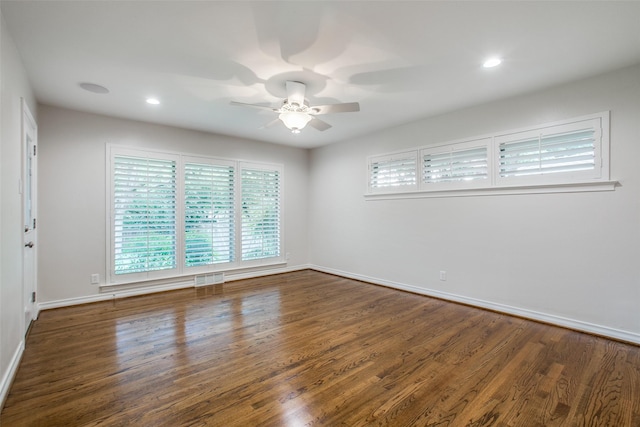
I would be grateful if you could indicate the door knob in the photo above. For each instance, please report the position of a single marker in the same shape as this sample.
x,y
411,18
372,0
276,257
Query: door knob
x,y
28,245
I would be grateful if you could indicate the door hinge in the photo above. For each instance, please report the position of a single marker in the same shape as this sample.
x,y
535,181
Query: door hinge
x,y
33,297
34,223
34,150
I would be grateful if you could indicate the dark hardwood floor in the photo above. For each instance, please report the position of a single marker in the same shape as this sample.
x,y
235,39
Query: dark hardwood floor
x,y
307,348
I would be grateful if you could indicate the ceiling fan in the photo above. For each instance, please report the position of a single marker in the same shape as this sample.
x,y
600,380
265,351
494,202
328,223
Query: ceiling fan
x,y
295,112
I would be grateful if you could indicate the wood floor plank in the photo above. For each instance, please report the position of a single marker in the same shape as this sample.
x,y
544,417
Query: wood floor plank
x,y
308,348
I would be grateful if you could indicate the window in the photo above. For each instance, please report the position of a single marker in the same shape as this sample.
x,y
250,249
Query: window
x,y
572,155
456,164
260,213
144,214
173,214
209,219
393,172
569,151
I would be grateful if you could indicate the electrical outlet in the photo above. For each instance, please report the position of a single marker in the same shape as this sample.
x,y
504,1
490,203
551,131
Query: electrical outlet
x,y
443,275
95,279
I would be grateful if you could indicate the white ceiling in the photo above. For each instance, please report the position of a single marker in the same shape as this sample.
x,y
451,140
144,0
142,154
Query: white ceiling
x,y
400,60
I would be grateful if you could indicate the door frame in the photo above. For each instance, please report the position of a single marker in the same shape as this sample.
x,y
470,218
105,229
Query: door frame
x,y
29,149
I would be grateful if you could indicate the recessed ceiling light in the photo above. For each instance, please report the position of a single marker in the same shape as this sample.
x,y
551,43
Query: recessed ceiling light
x,y
92,87
492,62
153,101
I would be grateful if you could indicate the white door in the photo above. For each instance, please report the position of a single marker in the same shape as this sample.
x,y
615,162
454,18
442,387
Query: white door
x,y
29,187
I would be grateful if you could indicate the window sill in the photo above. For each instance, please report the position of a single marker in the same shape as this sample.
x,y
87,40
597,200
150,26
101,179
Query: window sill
x,y
498,191
158,281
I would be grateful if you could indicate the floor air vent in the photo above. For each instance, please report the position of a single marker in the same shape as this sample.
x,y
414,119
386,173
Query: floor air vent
x,y
209,279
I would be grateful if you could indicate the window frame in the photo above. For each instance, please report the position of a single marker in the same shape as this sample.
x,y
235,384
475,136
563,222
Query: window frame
x,y
114,150
148,274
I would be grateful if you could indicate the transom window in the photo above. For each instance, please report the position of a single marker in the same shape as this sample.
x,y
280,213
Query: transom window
x,y
393,172
464,164
570,152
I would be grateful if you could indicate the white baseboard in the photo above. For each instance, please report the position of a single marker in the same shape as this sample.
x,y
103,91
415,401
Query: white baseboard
x,y
10,373
113,294
229,277
574,324
182,284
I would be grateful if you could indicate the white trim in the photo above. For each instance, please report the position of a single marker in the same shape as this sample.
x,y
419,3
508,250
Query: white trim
x,y
580,187
574,324
114,294
190,274
10,373
124,293
262,273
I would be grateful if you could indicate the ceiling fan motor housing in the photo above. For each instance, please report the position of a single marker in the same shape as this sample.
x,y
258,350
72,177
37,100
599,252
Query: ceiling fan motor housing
x,y
296,113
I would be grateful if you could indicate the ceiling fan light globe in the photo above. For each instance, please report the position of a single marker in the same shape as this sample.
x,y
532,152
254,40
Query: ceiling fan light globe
x,y
294,120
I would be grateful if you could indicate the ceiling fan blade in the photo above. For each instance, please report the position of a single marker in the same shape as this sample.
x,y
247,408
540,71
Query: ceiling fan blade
x,y
272,123
319,124
295,92
336,108
259,106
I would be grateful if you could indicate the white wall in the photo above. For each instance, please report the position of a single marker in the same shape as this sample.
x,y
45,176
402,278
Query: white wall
x,y
14,86
567,258
72,191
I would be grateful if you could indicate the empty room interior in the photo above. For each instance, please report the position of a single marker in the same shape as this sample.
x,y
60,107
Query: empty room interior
x,y
291,213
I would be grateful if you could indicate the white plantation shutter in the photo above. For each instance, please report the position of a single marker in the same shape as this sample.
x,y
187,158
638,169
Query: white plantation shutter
x,y
565,156
175,214
571,150
567,152
144,214
260,213
209,219
455,165
393,172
